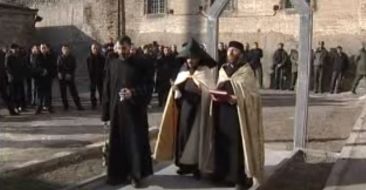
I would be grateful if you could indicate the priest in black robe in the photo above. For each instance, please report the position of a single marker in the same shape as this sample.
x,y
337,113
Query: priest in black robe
x,y
238,141
185,134
124,105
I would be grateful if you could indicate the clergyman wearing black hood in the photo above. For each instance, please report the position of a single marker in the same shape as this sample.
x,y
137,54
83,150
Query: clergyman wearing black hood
x,y
185,131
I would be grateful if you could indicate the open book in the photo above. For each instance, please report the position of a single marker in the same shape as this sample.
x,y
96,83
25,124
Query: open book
x,y
220,95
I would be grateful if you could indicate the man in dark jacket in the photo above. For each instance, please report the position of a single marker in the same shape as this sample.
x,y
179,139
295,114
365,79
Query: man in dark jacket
x,y
33,58
361,67
246,52
16,71
294,58
339,68
255,57
95,63
3,85
165,72
66,66
320,61
108,47
222,54
45,71
280,59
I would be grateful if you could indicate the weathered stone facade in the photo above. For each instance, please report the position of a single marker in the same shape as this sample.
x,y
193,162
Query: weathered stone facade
x,y
337,22
17,25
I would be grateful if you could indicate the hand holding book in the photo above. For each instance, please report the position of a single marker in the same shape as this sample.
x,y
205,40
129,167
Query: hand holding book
x,y
222,96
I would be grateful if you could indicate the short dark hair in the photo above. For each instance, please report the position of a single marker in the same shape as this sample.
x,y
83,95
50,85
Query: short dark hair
x,y
65,45
14,46
125,39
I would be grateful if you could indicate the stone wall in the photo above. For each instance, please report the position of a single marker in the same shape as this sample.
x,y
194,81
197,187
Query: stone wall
x,y
77,23
337,22
17,26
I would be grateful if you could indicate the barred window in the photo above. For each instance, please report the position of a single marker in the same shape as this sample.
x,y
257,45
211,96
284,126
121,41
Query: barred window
x,y
155,6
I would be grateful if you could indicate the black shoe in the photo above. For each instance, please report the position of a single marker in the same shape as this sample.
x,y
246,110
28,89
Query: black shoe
x,y
80,108
136,183
354,92
50,110
240,187
115,182
197,175
246,184
13,113
38,111
183,172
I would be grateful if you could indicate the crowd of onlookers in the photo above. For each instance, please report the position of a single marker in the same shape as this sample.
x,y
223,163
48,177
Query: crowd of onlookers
x,y
26,77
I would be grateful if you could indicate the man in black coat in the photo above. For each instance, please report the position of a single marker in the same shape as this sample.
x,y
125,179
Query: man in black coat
x,y
222,53
33,58
125,98
255,57
66,66
339,68
95,63
44,72
108,47
280,59
165,75
16,72
3,85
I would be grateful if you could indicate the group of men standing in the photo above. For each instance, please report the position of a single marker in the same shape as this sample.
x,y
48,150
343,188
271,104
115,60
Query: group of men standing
x,y
211,125
27,79
35,71
324,62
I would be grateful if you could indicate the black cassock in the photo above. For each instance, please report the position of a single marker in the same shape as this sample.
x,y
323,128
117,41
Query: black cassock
x,y
129,153
188,105
229,160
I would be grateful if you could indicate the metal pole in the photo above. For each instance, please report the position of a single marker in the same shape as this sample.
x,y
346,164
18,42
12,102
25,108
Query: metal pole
x,y
123,17
213,36
302,92
214,13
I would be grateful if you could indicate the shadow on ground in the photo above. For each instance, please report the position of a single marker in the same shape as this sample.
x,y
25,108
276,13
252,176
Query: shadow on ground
x,y
20,183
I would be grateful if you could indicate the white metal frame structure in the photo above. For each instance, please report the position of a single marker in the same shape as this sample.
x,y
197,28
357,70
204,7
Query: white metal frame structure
x,y
305,45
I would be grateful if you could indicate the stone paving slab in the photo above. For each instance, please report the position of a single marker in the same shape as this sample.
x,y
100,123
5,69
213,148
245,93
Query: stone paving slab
x,y
349,171
168,179
28,139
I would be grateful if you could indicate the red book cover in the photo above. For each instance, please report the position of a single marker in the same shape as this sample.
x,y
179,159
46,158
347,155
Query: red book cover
x,y
220,95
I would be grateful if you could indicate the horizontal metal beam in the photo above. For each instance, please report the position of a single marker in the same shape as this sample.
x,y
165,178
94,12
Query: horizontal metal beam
x,y
217,8
302,6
